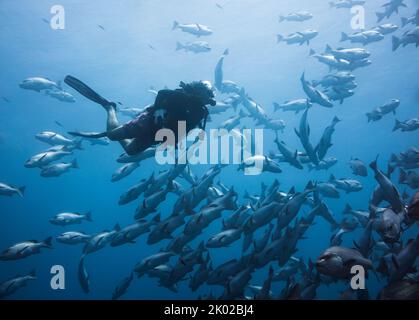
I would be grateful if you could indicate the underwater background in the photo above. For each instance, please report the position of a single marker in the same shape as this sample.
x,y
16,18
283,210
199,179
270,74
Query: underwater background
x,y
120,64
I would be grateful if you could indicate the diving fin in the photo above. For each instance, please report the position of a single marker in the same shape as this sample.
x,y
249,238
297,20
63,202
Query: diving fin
x,y
86,91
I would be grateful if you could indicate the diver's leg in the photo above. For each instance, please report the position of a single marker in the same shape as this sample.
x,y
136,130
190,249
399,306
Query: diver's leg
x,y
116,132
132,147
112,120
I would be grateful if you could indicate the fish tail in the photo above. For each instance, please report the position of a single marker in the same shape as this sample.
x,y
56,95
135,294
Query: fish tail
x,y
373,165
344,37
380,16
32,273
347,209
279,38
396,42
47,242
74,164
89,216
179,46
397,125
22,191
328,48
175,25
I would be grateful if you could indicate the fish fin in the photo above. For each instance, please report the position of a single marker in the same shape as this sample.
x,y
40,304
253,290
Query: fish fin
x,y
88,216
344,37
179,46
47,242
21,190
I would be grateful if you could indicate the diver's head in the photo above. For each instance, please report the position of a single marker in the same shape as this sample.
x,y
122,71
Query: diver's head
x,y
201,89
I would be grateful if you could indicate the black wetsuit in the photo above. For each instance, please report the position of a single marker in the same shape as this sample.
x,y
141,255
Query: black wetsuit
x,y
176,106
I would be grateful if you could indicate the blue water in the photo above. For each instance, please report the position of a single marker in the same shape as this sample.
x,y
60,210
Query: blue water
x,y
119,63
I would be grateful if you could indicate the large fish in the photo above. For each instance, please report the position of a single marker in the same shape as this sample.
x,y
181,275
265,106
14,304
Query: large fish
x,y
298,37
83,276
326,140
38,84
389,8
388,189
25,249
69,218
100,240
388,225
363,37
358,167
57,169
195,47
60,95
164,229
73,237
196,29
315,96
133,231
337,262
150,204
122,287
348,54
396,266
135,191
293,105
45,158
408,125
54,139
152,261
289,156
124,171
11,286
347,185
304,134
298,16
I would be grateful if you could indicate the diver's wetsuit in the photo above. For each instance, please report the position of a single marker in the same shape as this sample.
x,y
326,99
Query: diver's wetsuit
x,y
170,107
178,106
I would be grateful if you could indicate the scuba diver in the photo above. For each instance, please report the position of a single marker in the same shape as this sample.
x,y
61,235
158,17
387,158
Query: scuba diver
x,y
188,103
